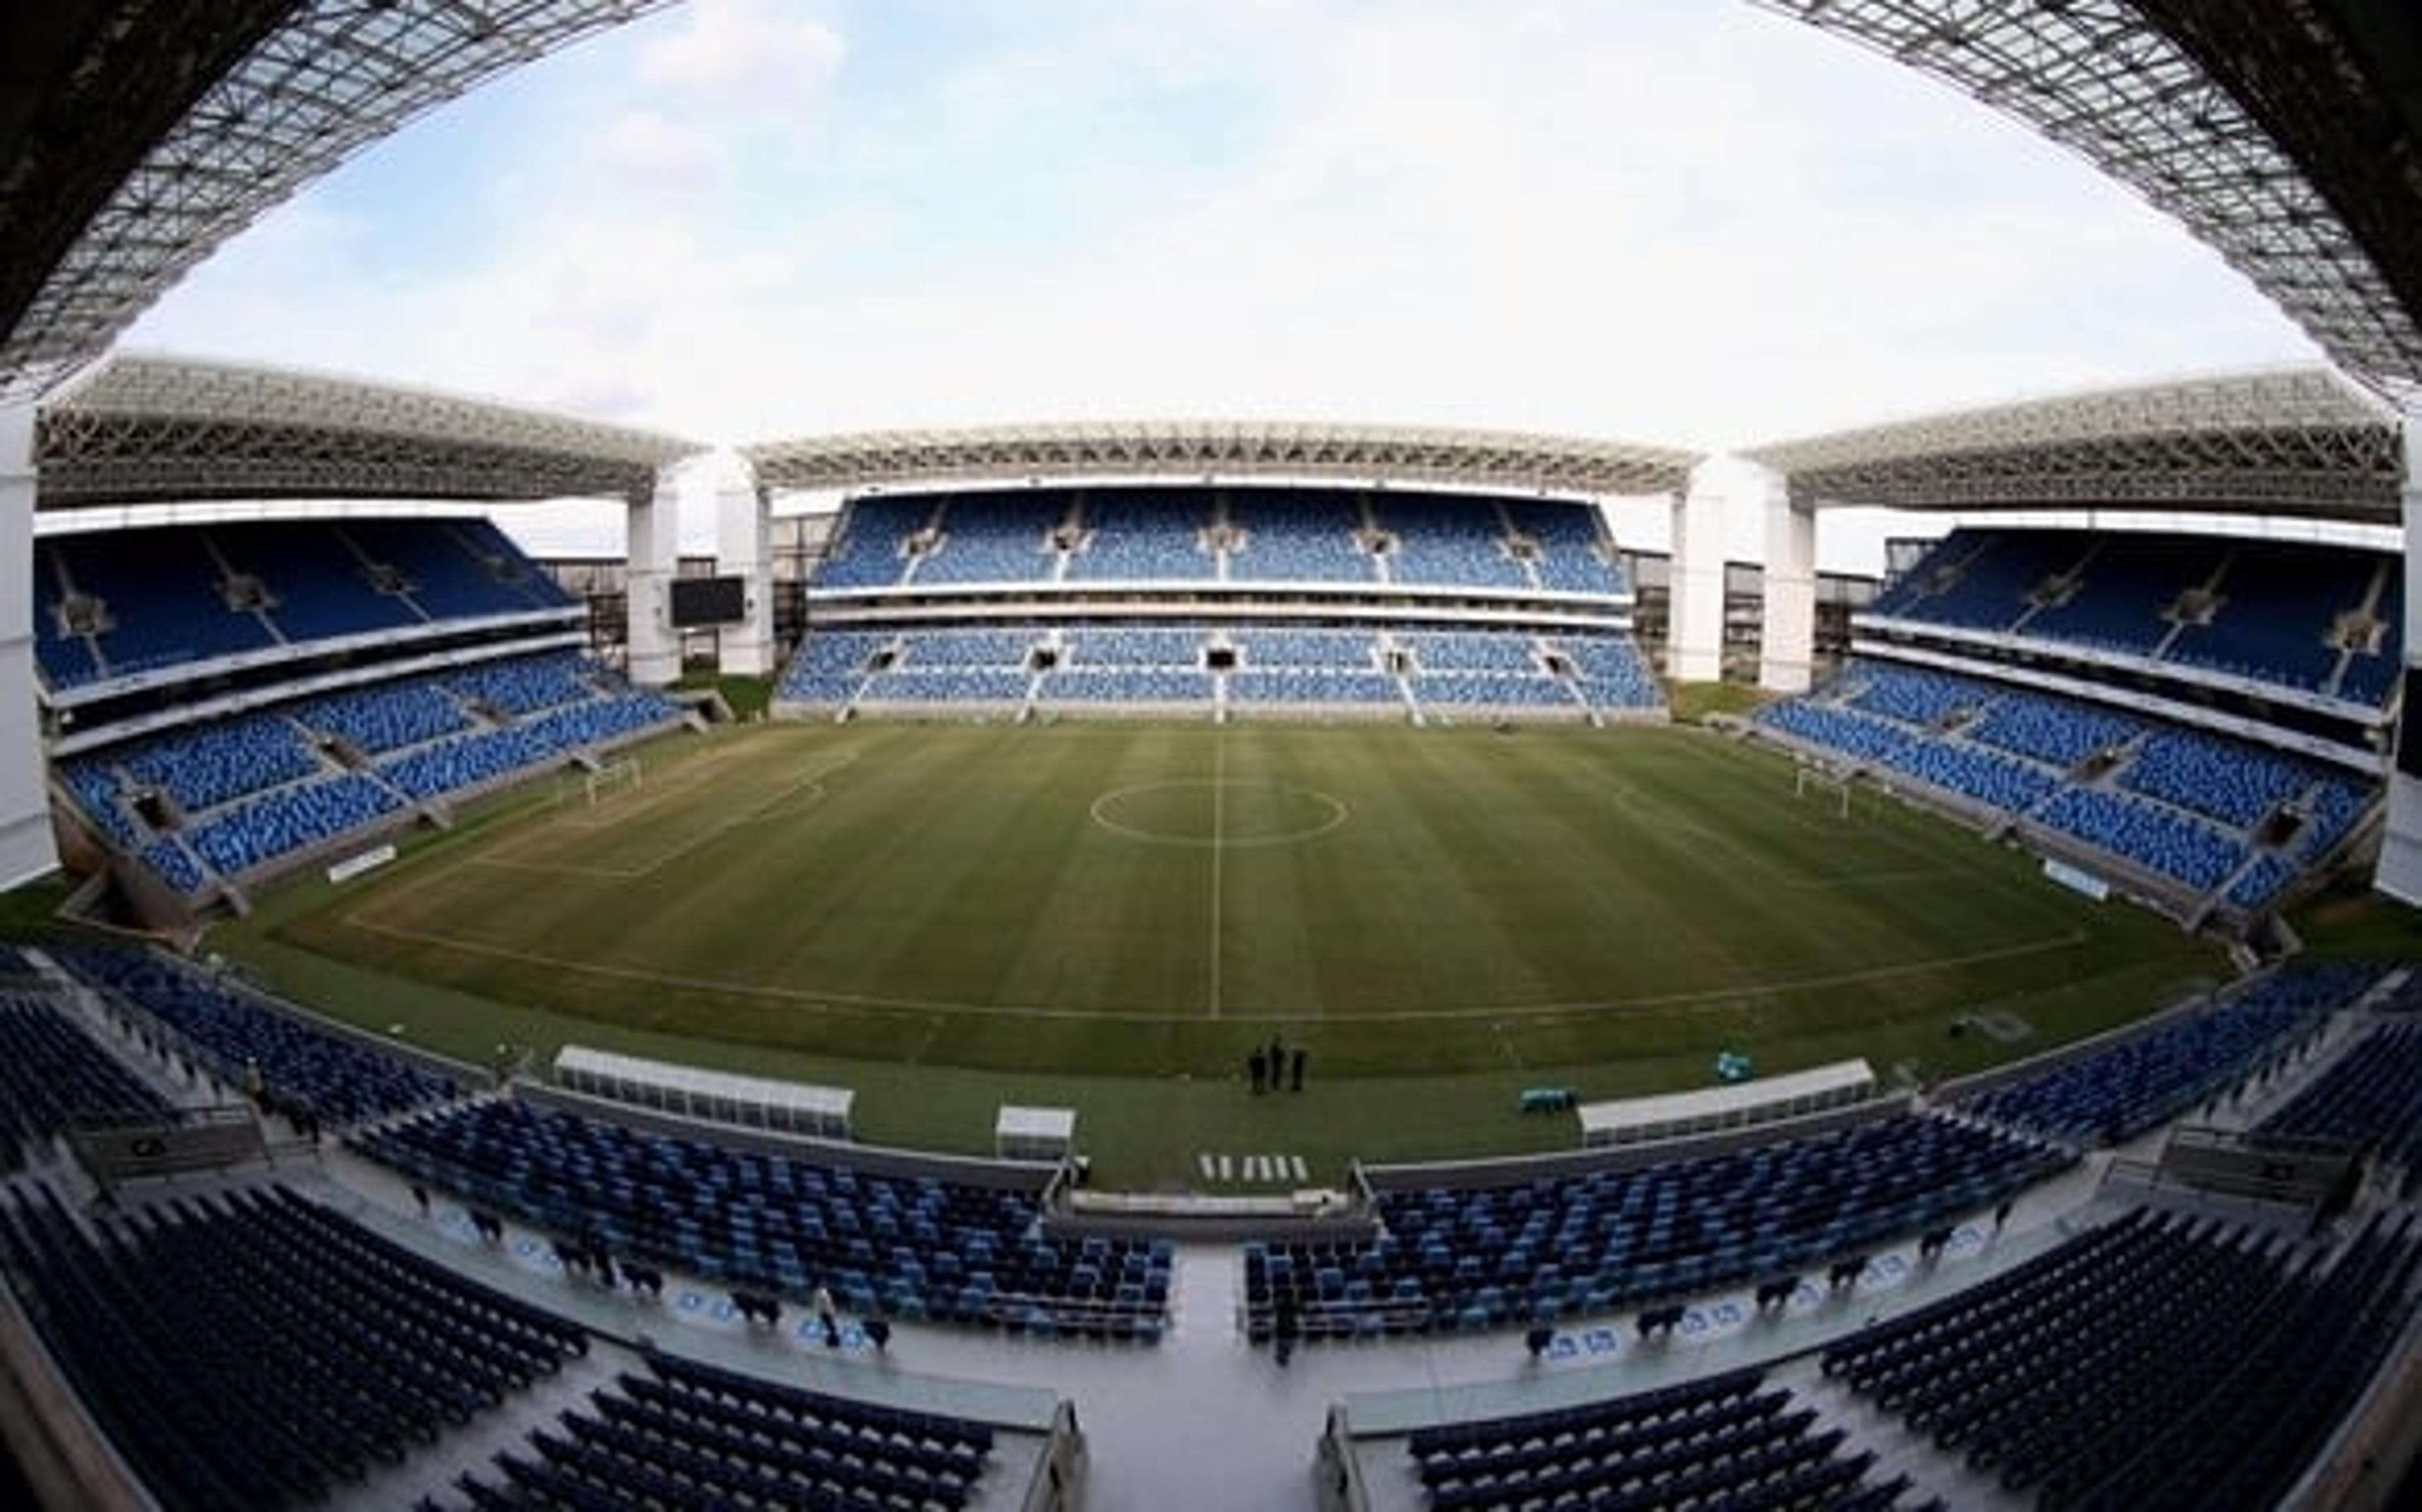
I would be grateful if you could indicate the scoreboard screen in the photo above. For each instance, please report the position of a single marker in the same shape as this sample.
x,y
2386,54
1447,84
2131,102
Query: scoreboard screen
x,y
698,602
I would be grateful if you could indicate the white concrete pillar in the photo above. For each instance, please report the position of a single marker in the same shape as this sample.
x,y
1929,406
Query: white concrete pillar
x,y
1786,657
27,847
2400,872
654,524
745,649
1694,619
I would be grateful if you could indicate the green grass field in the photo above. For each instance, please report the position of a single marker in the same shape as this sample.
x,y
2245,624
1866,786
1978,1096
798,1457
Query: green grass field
x,y
1111,915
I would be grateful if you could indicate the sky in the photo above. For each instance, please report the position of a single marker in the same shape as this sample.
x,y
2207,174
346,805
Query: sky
x,y
1677,222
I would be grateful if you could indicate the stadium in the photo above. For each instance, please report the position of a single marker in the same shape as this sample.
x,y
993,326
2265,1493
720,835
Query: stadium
x,y
1225,963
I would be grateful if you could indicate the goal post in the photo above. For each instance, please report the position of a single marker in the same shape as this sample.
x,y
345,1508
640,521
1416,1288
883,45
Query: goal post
x,y
1831,788
613,778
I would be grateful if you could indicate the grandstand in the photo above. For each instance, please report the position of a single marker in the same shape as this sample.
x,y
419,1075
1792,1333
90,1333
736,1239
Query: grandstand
x,y
1222,602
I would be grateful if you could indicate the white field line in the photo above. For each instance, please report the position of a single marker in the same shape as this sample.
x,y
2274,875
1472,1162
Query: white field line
x,y
1218,852
812,783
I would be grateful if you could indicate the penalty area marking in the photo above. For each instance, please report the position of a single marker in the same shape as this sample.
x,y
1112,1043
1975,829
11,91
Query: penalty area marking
x,y
807,790
1219,840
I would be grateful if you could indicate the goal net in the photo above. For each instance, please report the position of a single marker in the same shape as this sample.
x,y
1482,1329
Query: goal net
x,y
613,778
1831,788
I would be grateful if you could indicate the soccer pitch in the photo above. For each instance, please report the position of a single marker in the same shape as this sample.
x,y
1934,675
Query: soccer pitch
x,y
1145,901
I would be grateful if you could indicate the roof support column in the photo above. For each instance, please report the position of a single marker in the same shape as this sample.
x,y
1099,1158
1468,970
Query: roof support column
x,y
745,649
2400,872
654,534
1694,617
28,848
1787,640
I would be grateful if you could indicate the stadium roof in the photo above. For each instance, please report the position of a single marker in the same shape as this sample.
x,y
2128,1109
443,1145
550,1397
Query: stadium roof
x,y
136,136
2284,441
137,428
1277,448
2285,133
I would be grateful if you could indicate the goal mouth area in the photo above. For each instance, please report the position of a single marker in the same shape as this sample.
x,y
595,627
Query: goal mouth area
x,y
1829,786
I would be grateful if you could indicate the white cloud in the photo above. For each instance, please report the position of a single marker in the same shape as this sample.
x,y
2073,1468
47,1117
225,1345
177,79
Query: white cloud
x,y
752,47
661,150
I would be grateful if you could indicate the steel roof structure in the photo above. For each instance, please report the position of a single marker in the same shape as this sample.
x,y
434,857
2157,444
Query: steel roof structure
x,y
140,135
2285,133
2281,440
1473,458
139,428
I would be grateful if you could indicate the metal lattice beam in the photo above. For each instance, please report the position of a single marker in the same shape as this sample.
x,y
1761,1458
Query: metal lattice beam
x,y
2101,78
332,77
2290,440
139,430
1472,459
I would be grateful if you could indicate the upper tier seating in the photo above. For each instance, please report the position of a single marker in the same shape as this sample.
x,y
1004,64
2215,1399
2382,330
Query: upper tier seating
x,y
185,594
1297,537
2112,1094
2151,1361
339,1077
1570,546
691,1435
523,684
1492,1256
2370,1098
867,553
2275,611
1447,542
1717,1441
51,1072
911,1247
995,538
1141,536
254,1349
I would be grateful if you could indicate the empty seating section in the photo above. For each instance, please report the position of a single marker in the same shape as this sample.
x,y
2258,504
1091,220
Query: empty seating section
x,y
253,1350
941,667
1297,537
869,554
269,827
1137,536
52,1070
217,763
1914,696
2228,780
1473,651
1487,1257
456,569
1718,1442
2116,1093
2370,1096
2151,1362
991,538
1610,671
2059,731
523,684
691,1435
912,1247
928,649
1995,780
159,592
2280,601
1571,555
2175,845
1481,669
1331,650
830,665
1856,736
2124,591
1447,542
319,587
1135,647
1190,686
2284,613
387,717
341,1078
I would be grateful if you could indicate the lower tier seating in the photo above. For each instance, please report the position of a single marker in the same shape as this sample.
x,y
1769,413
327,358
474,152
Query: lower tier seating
x,y
2114,1094
255,1349
1453,1258
2371,1099
911,1247
339,1078
2152,1362
51,1072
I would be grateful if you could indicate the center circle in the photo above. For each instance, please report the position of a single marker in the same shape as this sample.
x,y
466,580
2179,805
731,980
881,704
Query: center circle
x,y
1201,811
